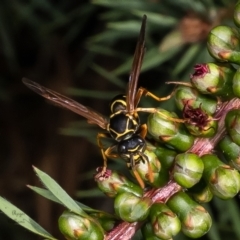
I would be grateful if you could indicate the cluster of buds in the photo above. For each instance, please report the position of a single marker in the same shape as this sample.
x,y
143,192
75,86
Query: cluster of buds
x,y
186,170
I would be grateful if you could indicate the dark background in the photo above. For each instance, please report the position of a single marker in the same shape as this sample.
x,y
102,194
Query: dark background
x,y
72,45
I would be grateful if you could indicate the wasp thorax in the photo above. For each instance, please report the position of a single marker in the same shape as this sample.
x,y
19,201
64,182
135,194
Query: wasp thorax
x,y
118,104
123,126
131,146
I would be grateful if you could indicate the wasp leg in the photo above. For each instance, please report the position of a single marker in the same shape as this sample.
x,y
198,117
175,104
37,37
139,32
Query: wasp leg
x,y
143,91
150,172
109,152
135,173
180,83
104,155
143,131
155,110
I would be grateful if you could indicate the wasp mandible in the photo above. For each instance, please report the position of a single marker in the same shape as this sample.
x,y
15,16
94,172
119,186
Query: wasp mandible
x,y
123,124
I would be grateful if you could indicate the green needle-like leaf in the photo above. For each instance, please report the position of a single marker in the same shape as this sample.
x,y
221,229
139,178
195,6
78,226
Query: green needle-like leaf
x,y
109,76
22,219
45,193
157,18
187,58
59,193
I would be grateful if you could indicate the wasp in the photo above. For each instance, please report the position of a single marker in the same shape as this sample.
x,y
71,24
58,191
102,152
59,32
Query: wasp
x,y
123,124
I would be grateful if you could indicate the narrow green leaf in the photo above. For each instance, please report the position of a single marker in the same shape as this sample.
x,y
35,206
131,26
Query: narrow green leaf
x,y
45,193
186,59
157,18
90,193
235,218
108,75
110,36
59,193
73,132
172,40
153,58
22,219
113,14
213,233
124,4
106,50
125,26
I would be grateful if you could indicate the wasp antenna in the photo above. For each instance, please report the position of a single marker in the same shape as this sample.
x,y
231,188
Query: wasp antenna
x,y
180,83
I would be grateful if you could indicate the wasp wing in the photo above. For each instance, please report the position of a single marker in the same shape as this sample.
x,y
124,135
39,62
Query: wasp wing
x,y
136,67
92,116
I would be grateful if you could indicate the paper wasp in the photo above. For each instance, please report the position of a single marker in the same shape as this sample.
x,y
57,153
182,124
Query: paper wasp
x,y
123,124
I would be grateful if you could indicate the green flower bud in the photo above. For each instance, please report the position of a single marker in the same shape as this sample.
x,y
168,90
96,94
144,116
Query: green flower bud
x,y
143,169
198,122
188,169
223,44
236,15
201,192
148,234
107,221
236,83
131,208
232,122
114,183
214,79
195,220
75,227
168,131
188,95
166,156
165,223
224,181
231,152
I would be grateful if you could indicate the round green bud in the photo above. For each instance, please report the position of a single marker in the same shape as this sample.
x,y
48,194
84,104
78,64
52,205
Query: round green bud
x,y
236,14
164,129
143,168
148,234
236,83
195,220
214,79
115,183
189,95
75,227
231,151
167,156
131,208
201,192
224,44
107,221
165,223
205,126
232,122
188,169
223,181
